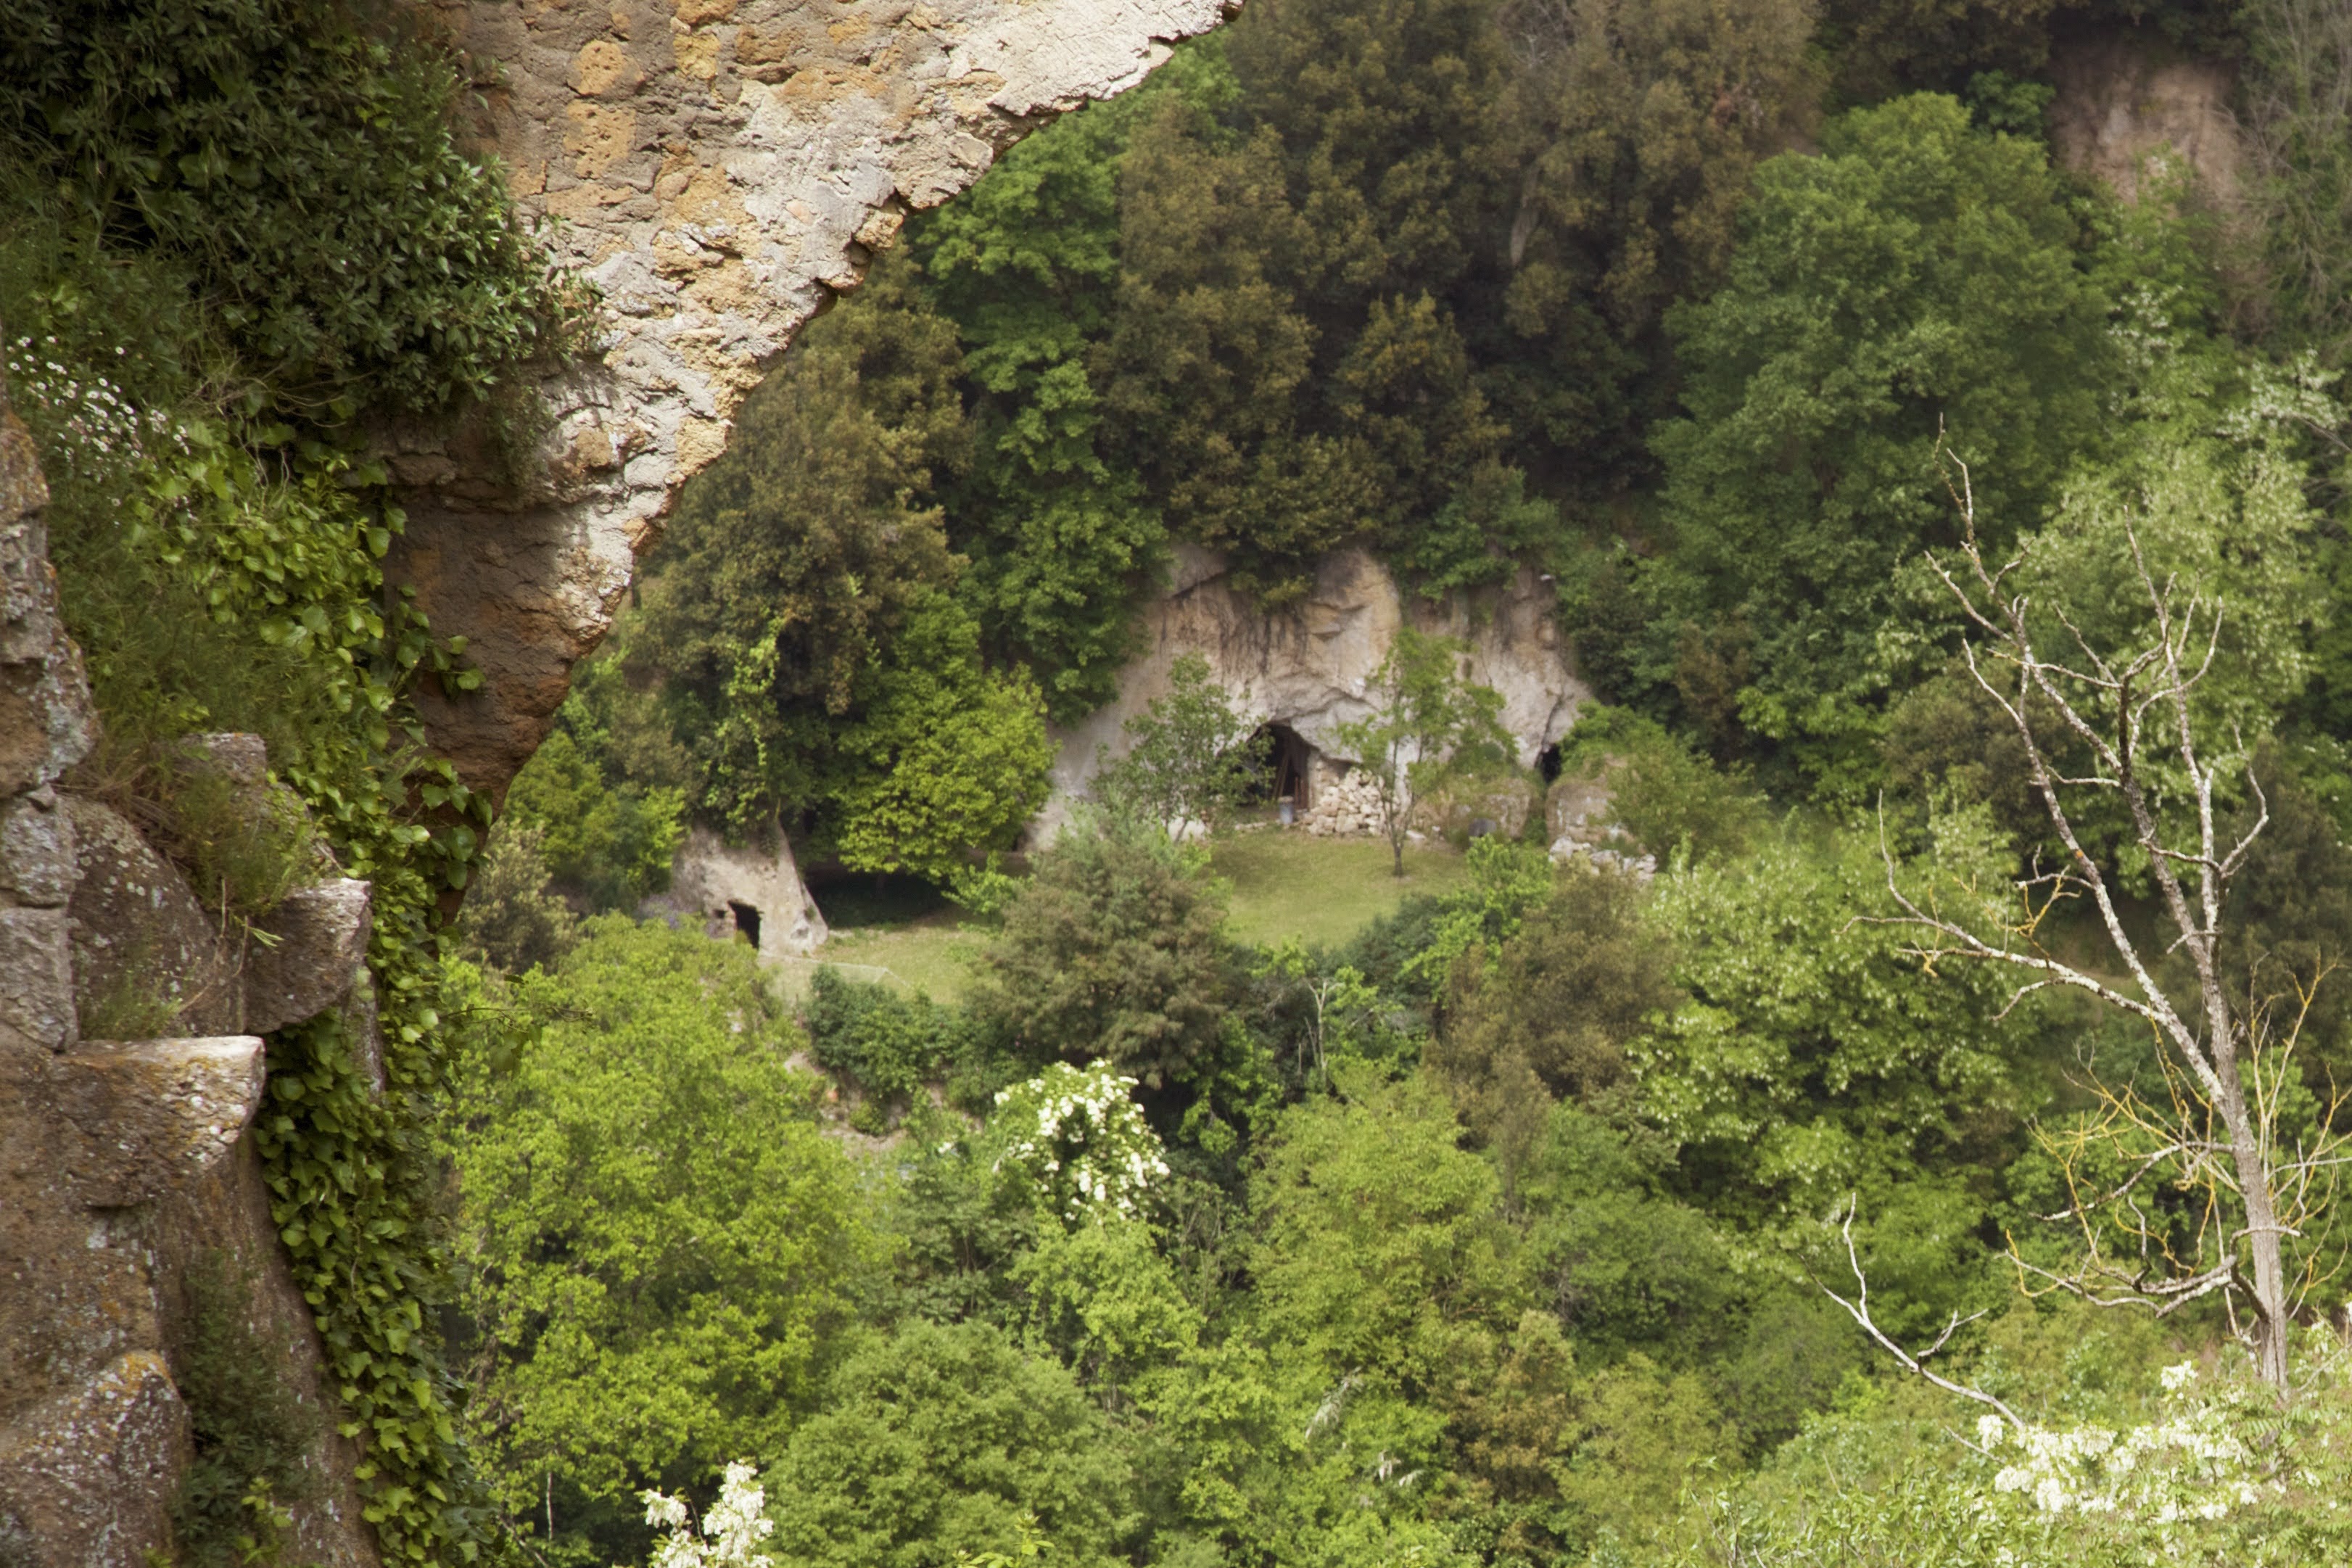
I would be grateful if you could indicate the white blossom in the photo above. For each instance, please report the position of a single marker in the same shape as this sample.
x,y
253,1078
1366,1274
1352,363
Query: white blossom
x,y
732,1531
1088,1135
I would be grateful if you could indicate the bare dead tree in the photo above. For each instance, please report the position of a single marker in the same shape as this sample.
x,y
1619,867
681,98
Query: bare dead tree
x,y
2127,712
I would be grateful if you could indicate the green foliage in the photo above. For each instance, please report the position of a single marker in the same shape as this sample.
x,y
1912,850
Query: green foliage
x,y
251,1435
2299,53
1062,542
1111,952
513,920
305,168
1814,1057
1885,1482
798,557
1204,363
1547,1012
612,842
1379,1241
1662,796
887,1045
1429,724
948,757
218,593
940,1439
1188,761
1640,122
1917,280
1506,880
657,1234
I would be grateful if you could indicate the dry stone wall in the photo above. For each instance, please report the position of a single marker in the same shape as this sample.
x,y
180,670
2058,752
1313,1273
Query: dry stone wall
x,y
719,169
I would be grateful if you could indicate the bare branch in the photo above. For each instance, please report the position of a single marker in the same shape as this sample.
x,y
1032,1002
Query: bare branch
x,y
1859,1310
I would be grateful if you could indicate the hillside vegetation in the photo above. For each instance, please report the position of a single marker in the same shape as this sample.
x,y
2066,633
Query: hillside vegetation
x,y
1522,1213
1545,1214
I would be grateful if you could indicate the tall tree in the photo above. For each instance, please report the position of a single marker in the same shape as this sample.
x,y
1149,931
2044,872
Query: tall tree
x,y
2130,648
802,554
1918,276
1429,722
1635,126
1188,759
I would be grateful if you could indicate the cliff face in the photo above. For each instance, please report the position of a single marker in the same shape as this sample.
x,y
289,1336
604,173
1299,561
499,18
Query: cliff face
x,y
128,1181
719,169
1306,668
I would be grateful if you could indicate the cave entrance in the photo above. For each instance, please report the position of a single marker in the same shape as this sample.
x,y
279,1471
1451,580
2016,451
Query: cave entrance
x,y
1547,763
1285,768
747,921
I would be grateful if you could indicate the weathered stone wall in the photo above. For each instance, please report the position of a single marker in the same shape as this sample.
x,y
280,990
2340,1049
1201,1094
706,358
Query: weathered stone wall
x,y
2126,98
719,169
126,1162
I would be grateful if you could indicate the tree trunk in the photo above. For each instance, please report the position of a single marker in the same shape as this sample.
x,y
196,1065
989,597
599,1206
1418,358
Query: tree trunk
x,y
2262,1234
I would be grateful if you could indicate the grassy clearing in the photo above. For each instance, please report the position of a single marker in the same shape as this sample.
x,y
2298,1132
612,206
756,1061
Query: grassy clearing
x,y
1321,890
929,955
893,929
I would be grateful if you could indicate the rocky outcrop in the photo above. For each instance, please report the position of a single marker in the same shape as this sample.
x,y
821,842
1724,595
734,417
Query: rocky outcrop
x,y
719,169
124,1162
1306,668
753,891
2126,98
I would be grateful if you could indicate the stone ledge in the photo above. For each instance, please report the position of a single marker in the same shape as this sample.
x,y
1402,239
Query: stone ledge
x,y
155,1114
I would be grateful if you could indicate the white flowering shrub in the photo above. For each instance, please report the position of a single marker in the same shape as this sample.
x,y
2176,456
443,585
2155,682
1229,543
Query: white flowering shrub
x,y
92,424
2193,1464
1080,1136
732,1531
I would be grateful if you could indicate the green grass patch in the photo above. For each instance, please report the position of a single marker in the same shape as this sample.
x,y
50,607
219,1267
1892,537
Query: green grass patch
x,y
928,953
1321,890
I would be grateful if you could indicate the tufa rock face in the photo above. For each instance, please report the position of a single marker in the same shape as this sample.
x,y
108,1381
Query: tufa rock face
x,y
123,1164
719,169
752,889
2125,100
1307,668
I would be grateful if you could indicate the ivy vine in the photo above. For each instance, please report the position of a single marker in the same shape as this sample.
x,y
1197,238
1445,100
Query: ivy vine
x,y
239,229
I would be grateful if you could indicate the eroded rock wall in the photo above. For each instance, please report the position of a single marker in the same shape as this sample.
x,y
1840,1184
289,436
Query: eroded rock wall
x,y
1308,667
126,1165
719,169
2126,101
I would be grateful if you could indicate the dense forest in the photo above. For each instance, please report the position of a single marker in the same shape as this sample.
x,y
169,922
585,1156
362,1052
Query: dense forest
x,y
1934,1162
1550,1218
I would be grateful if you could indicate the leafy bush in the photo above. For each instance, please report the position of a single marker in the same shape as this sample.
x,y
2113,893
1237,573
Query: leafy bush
x,y
938,1438
513,920
612,840
1666,797
656,1231
1916,280
1112,951
306,170
888,1046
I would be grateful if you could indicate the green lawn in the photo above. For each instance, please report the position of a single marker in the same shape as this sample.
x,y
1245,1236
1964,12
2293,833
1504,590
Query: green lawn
x,y
925,953
1321,890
